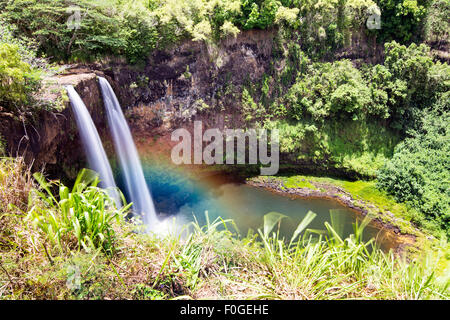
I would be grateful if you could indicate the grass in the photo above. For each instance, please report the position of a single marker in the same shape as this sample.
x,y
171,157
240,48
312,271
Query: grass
x,y
428,236
298,182
209,262
15,184
366,191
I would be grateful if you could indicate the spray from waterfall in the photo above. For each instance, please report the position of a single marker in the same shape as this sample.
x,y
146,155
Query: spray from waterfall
x,y
92,144
128,157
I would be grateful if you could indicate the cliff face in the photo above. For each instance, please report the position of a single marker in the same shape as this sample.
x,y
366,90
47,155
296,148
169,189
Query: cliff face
x,y
191,81
50,139
175,85
167,92
196,80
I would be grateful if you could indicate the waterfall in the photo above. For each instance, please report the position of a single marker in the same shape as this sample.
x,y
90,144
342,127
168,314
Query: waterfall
x,y
92,144
128,157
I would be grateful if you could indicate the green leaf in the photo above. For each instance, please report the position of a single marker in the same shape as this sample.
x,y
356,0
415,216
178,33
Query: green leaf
x,y
270,220
303,224
85,177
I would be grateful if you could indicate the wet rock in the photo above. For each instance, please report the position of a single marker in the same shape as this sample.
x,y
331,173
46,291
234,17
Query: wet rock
x,y
50,138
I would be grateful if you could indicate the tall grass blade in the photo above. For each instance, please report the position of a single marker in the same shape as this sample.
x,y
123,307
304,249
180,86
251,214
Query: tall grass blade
x,y
270,220
310,216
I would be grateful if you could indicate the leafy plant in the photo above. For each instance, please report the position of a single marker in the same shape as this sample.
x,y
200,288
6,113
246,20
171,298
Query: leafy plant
x,y
328,89
418,172
402,19
17,78
319,265
85,214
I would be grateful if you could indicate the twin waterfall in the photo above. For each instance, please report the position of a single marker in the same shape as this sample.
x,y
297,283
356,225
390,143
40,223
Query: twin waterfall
x,y
95,153
128,156
125,148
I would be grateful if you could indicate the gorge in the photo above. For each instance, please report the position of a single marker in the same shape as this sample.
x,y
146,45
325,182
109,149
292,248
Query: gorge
x,y
158,99
145,93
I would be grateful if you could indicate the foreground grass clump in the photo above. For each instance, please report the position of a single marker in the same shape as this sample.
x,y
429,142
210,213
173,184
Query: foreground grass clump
x,y
15,184
209,261
85,213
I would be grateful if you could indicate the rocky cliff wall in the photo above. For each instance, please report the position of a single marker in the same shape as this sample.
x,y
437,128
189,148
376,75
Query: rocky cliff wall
x,y
49,140
194,80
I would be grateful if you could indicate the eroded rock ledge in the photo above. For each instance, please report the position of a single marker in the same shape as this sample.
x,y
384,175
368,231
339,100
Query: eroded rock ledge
x,y
50,138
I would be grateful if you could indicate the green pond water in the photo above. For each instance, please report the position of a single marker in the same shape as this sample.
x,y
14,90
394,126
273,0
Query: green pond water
x,y
182,197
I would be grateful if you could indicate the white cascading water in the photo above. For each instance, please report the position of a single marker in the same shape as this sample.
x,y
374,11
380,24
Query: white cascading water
x,y
128,158
95,153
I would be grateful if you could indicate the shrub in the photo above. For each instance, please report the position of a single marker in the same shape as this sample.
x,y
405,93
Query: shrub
x,y
408,82
385,91
104,28
437,24
419,173
250,109
26,47
412,65
229,28
329,89
402,19
17,78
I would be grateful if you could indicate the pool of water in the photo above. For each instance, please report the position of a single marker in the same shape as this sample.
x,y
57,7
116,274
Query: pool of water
x,y
178,195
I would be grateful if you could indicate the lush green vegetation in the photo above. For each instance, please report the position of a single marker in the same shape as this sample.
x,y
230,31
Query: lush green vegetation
x,y
21,73
18,78
348,120
403,19
386,122
84,214
336,116
408,82
352,148
212,262
418,173
135,28
104,29
131,29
